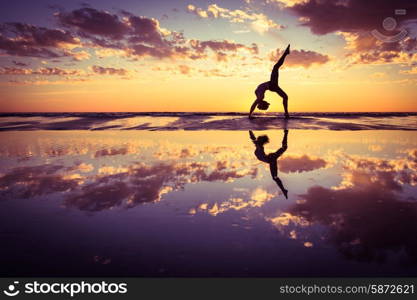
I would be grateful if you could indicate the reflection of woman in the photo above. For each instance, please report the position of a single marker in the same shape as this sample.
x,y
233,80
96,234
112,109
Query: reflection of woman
x,y
270,158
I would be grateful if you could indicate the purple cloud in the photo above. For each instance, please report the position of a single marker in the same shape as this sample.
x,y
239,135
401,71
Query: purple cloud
x,y
134,36
326,16
303,58
19,39
109,71
97,22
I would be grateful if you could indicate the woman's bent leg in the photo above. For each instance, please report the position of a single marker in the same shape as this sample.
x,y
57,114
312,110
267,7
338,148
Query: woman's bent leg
x,y
284,97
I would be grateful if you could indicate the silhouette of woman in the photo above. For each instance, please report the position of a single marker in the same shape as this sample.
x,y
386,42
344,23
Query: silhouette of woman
x,y
271,158
271,85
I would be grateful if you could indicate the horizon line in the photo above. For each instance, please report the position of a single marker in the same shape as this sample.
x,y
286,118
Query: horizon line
x,y
205,112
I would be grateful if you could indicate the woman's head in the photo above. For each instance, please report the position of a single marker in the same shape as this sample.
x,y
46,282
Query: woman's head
x,y
262,139
263,105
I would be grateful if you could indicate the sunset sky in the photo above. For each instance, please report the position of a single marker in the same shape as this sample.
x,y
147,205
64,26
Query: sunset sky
x,y
198,55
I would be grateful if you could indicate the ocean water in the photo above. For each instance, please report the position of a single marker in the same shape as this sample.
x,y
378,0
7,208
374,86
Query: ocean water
x,y
199,202
206,121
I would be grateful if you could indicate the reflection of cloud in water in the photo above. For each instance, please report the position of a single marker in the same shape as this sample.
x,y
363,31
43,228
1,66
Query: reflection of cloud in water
x,y
303,163
286,218
111,152
392,173
83,167
367,215
257,198
364,207
28,182
173,151
24,147
141,183
375,148
113,186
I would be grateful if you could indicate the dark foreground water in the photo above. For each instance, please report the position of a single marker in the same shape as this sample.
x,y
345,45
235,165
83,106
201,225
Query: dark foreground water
x,y
201,203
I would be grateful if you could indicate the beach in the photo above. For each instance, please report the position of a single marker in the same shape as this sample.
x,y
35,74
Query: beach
x,y
184,195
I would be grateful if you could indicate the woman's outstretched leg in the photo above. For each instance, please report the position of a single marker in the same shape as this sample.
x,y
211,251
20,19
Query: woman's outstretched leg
x,y
273,82
274,173
281,186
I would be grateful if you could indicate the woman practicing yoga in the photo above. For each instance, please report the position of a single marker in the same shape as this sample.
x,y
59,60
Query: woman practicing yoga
x,y
271,85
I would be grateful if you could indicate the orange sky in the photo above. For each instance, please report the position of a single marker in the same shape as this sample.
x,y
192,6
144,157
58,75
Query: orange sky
x,y
199,58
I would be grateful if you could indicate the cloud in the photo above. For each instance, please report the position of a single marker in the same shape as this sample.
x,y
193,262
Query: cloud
x,y
147,30
184,69
49,71
354,20
80,55
288,3
198,11
378,75
108,34
106,52
133,36
108,71
382,57
15,71
366,49
19,64
222,45
57,71
140,50
304,163
136,36
328,16
67,81
258,21
40,71
19,39
215,73
223,50
96,22
301,58
413,71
